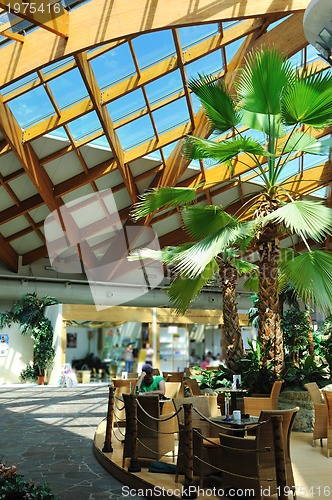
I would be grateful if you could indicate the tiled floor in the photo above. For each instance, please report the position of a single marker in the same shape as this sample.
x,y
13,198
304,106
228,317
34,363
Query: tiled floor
x,y
47,432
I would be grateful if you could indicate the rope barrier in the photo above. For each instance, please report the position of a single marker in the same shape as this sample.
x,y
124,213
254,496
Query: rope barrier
x,y
158,419
153,430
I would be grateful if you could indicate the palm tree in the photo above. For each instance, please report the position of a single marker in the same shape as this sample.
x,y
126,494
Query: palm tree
x,y
285,107
226,266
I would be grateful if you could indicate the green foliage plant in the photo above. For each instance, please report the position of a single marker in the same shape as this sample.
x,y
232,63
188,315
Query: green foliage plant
x,y
29,311
14,487
29,373
308,370
295,327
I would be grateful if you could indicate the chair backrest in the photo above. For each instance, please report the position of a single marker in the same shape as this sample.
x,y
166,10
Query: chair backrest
x,y
173,376
314,392
172,389
275,393
276,388
288,417
199,402
328,399
193,386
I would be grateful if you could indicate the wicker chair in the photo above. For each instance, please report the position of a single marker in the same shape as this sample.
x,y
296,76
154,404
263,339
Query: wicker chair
x,y
173,389
249,462
254,405
328,399
121,386
155,436
320,412
207,406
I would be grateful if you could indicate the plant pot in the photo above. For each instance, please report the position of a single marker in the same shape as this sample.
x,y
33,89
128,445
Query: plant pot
x,y
41,379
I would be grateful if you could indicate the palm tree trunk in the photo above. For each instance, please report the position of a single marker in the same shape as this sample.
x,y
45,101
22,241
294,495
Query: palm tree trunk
x,y
269,330
311,345
232,330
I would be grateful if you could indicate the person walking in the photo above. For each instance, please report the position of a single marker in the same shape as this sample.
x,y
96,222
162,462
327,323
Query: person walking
x,y
129,358
149,354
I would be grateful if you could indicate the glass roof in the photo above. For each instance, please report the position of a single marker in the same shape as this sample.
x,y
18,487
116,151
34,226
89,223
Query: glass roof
x,y
128,97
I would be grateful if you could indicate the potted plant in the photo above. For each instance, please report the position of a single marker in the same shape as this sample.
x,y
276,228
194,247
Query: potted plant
x,y
43,349
29,374
29,313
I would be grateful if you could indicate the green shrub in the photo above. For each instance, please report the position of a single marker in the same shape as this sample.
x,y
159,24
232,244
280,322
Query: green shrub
x,y
13,487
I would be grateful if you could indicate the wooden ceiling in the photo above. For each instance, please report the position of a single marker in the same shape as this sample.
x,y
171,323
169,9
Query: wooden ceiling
x,y
44,164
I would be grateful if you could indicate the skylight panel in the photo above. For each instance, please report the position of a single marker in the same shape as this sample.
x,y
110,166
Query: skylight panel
x,y
113,66
50,68
164,87
153,47
207,65
232,48
312,54
171,115
84,126
29,79
167,150
320,193
191,35
68,88
31,107
135,132
127,105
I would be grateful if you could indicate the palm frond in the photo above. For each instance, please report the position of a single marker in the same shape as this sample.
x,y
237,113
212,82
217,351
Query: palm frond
x,y
183,290
193,261
310,218
304,142
309,100
195,148
220,109
269,124
263,79
166,255
164,197
314,286
200,221
244,267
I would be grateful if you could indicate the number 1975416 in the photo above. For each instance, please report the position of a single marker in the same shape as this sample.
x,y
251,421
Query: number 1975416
x,y
33,7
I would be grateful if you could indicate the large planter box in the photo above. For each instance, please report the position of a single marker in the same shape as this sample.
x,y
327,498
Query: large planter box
x,y
83,376
304,419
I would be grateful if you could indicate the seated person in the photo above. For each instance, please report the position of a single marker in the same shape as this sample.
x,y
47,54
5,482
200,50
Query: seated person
x,y
150,384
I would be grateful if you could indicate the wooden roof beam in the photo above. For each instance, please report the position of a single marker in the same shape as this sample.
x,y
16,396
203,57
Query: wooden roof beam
x,y
94,91
97,22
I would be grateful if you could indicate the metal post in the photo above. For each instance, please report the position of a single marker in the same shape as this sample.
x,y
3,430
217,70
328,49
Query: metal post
x,y
107,448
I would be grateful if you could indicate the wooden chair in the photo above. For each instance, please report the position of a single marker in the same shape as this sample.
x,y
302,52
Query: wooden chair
x,y
249,462
121,386
254,405
328,399
320,412
155,436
